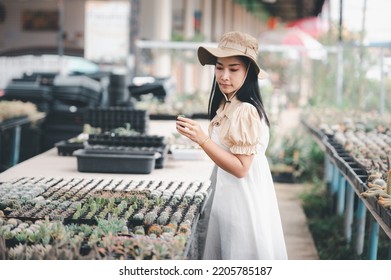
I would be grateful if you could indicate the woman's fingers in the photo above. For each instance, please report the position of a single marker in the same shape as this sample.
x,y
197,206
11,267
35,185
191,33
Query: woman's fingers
x,y
189,128
186,120
182,123
186,132
190,124
183,126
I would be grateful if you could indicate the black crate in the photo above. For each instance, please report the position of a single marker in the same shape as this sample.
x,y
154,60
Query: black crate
x,y
114,117
8,151
65,114
28,90
157,89
77,90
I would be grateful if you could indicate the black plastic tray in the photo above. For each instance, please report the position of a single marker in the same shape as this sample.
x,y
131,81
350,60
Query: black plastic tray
x,y
66,148
115,163
111,139
159,152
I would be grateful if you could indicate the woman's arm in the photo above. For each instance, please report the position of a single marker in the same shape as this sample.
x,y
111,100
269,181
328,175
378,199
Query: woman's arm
x,y
237,165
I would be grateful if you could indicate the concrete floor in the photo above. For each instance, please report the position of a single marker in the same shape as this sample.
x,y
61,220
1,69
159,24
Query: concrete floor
x,y
299,242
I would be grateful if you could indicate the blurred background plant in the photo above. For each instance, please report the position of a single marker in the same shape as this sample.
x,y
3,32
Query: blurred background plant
x,y
16,108
295,157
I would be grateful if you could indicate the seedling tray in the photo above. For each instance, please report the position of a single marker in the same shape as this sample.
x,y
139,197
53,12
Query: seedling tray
x,y
160,153
77,95
187,153
111,139
79,89
115,163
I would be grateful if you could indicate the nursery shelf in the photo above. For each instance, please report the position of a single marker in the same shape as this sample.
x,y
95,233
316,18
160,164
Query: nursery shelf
x,y
353,173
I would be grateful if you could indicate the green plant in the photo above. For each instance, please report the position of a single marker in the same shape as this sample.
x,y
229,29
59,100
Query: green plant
x,y
151,216
139,230
360,90
155,229
176,217
327,228
109,226
164,216
296,153
13,109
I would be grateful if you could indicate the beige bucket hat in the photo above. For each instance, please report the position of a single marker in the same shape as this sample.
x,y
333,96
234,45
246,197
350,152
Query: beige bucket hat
x,y
233,43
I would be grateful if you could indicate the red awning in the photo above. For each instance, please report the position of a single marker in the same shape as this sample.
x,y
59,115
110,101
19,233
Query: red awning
x,y
313,26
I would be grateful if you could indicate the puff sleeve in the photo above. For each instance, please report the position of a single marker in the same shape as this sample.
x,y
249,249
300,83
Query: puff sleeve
x,y
245,130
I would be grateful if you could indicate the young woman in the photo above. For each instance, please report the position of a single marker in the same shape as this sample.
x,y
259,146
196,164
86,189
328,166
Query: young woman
x,y
244,221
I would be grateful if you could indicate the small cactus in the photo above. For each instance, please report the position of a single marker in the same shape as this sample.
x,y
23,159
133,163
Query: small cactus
x,y
163,218
176,217
150,218
125,230
184,229
171,228
155,229
128,213
139,230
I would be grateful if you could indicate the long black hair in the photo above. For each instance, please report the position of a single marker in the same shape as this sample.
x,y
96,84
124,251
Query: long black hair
x,y
249,92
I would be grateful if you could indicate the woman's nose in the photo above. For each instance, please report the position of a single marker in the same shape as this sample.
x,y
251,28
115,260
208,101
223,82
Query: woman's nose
x,y
225,75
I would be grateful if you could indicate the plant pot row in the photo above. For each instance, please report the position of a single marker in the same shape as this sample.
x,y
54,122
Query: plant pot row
x,y
147,237
63,200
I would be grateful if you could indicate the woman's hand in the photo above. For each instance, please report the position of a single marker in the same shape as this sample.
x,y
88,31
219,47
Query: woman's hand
x,y
190,129
237,165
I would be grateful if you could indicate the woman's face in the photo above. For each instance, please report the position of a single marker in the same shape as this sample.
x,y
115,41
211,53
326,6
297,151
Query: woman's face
x,y
230,74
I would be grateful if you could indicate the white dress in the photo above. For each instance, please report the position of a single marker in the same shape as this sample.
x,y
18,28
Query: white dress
x,y
245,221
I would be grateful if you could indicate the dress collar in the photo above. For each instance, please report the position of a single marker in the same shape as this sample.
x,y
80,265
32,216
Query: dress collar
x,y
228,100
225,109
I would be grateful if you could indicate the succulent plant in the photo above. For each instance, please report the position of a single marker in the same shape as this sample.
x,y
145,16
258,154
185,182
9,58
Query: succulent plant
x,y
191,212
76,215
184,229
164,216
139,230
155,229
76,198
171,228
150,217
176,217
128,213
125,230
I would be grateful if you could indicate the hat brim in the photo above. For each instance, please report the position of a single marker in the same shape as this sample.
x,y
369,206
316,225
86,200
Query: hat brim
x,y
208,56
